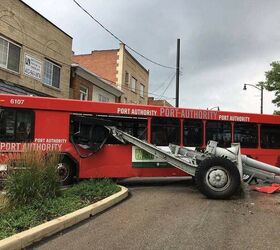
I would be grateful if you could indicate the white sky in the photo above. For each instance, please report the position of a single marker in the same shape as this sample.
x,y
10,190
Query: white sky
x,y
224,43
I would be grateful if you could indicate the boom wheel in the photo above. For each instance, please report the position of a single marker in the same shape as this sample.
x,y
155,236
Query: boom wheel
x,y
217,178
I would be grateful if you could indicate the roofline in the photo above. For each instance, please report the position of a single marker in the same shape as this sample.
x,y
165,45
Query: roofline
x,y
103,50
46,19
136,60
107,50
115,91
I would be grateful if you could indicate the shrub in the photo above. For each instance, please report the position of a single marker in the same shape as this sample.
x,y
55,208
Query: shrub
x,y
38,211
33,178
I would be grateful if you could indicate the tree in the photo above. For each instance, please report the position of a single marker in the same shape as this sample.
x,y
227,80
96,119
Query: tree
x,y
272,82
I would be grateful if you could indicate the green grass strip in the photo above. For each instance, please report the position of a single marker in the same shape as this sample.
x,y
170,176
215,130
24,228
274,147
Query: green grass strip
x,y
19,218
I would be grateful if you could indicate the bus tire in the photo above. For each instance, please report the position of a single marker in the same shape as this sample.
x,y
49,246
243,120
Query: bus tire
x,y
217,178
65,172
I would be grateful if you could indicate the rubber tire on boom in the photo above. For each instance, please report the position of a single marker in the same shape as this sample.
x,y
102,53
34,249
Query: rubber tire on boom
x,y
217,178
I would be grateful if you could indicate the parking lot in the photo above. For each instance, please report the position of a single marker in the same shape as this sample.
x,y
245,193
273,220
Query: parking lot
x,y
170,213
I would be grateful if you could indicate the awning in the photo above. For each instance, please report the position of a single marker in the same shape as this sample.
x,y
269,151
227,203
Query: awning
x,y
7,87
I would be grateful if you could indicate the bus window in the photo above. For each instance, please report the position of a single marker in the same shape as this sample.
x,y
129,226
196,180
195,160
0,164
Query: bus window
x,y
270,136
220,132
193,133
81,127
165,131
134,127
246,134
16,125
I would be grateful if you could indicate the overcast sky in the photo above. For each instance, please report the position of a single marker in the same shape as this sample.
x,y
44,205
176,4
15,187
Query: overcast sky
x,y
224,43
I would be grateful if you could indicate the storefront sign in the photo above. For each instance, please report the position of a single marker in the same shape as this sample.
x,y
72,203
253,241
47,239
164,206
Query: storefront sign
x,y
32,67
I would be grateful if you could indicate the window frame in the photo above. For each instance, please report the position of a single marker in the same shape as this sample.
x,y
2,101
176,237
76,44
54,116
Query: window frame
x,y
126,78
7,55
84,93
141,90
133,86
52,76
102,98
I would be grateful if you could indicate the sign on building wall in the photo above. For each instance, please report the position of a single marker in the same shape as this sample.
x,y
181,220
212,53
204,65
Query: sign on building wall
x,y
32,67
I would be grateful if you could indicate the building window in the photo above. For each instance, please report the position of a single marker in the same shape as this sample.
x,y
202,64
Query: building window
x,y
9,55
102,98
141,90
126,79
83,93
51,74
133,84
125,99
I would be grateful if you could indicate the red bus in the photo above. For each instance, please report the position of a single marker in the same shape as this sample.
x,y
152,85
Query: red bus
x,y
72,127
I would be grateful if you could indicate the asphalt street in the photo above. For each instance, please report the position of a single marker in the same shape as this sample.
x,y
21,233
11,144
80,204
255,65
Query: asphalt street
x,y
172,214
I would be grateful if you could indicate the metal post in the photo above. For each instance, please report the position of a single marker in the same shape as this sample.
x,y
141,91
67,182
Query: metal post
x,y
177,73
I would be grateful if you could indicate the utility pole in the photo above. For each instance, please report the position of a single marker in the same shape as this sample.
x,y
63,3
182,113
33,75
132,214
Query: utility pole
x,y
177,72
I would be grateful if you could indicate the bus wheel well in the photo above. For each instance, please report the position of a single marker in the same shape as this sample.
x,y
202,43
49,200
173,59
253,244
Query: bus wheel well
x,y
69,164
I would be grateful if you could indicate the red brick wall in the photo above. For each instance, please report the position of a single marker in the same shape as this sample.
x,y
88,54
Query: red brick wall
x,y
103,63
153,102
75,84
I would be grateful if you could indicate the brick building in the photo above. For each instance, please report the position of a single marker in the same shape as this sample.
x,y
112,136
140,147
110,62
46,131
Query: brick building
x,y
155,102
121,68
85,85
35,55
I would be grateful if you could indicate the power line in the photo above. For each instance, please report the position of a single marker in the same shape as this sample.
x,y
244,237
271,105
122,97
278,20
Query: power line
x,y
167,86
135,90
163,83
112,34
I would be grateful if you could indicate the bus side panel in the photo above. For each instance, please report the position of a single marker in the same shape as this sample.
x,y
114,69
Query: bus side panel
x,y
269,156
52,125
115,161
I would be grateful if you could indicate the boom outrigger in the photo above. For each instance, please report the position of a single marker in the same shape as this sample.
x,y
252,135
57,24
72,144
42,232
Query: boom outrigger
x,y
218,172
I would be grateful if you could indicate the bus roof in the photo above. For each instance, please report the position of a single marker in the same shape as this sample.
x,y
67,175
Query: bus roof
x,y
78,106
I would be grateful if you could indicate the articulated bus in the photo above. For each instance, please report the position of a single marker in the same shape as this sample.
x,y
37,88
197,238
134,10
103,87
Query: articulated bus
x,y
72,127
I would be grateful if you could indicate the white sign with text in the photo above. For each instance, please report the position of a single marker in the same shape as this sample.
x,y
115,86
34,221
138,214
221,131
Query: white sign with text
x,y
32,67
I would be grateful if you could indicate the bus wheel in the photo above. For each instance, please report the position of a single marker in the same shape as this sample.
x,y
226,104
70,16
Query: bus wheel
x,y
217,178
65,173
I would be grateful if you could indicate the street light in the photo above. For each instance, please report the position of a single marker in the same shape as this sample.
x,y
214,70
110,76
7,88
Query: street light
x,y
256,87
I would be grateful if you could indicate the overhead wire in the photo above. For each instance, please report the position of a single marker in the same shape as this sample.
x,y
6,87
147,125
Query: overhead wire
x,y
162,95
124,86
117,38
163,83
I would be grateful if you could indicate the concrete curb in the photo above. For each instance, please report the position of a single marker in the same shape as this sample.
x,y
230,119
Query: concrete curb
x,y
26,238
